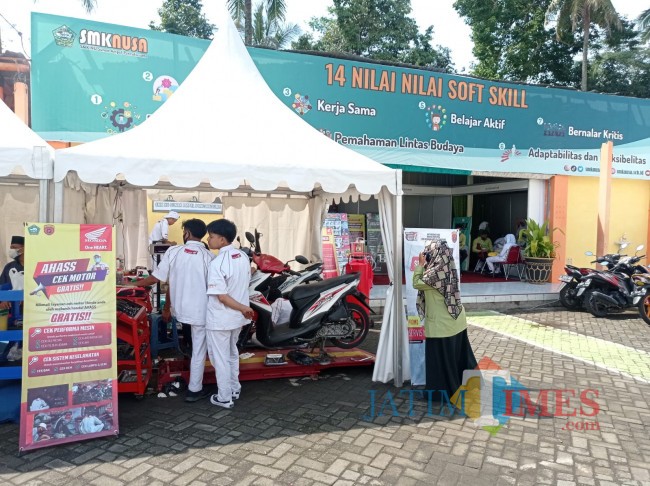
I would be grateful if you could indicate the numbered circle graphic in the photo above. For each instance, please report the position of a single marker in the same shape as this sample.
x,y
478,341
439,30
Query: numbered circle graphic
x,y
163,87
422,105
96,99
540,121
147,76
286,91
502,146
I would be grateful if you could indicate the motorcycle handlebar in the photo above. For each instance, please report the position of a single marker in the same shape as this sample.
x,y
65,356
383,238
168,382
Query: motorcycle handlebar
x,y
292,272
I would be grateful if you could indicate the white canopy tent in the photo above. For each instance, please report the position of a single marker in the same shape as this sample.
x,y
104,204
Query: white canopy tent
x,y
224,129
26,167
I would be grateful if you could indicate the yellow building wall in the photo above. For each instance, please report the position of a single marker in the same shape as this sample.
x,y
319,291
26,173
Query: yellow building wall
x,y
630,200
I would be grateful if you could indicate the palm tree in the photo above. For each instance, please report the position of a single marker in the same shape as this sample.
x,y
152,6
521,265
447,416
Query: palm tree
x,y
644,25
265,27
268,29
569,13
243,10
89,5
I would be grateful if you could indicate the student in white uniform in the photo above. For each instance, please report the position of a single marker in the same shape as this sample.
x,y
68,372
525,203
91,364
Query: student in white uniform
x,y
160,232
228,309
186,268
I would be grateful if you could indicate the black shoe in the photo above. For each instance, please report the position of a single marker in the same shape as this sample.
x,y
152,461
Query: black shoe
x,y
191,396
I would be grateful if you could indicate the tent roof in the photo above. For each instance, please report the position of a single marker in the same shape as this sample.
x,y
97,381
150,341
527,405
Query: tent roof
x,y
224,126
22,152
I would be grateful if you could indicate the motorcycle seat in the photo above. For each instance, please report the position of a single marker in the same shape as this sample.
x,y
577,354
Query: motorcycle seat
x,y
304,293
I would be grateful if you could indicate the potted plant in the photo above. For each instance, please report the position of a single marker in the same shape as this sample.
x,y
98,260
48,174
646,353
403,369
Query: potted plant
x,y
539,251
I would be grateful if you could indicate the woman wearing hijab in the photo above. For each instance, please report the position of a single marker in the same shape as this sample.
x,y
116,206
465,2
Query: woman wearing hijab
x,y
447,349
503,256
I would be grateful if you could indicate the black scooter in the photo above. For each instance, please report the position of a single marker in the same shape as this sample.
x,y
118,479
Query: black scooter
x,y
615,290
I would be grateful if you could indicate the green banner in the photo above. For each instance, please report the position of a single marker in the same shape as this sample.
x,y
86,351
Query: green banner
x,y
91,80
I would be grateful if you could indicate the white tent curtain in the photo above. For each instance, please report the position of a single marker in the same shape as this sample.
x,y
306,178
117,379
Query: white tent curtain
x,y
133,228
284,223
20,204
126,208
24,153
392,361
392,352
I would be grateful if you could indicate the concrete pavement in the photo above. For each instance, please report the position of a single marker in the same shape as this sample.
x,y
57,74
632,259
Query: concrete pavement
x,y
306,432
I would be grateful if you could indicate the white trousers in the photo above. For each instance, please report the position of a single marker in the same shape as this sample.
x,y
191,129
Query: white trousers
x,y
492,260
199,352
222,347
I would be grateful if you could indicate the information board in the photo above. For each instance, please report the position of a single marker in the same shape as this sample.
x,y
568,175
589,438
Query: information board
x,y
69,387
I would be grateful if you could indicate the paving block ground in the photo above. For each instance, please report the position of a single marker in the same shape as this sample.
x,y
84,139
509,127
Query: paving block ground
x,y
304,432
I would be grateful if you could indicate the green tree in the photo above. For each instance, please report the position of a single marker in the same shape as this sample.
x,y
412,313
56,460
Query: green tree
x,y
242,10
183,17
622,65
269,28
89,5
512,43
569,15
265,26
375,29
644,25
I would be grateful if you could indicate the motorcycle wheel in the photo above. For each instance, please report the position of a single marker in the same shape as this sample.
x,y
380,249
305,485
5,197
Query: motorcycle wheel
x,y
596,308
644,309
360,317
568,299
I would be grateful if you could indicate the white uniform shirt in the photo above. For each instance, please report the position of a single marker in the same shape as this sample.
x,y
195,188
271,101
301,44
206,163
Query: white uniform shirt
x,y
160,231
230,273
185,267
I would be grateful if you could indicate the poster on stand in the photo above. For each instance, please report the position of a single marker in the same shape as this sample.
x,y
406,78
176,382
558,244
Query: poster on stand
x,y
415,239
338,223
357,227
330,265
69,386
376,243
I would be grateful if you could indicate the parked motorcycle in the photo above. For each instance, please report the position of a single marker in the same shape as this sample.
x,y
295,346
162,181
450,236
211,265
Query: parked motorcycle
x,y
333,309
274,278
571,293
312,273
614,290
642,301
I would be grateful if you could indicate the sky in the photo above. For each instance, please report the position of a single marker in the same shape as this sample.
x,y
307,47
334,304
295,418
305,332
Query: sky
x,y
449,29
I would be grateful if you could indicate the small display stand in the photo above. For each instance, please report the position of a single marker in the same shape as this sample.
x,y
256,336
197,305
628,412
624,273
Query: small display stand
x,y
255,367
134,351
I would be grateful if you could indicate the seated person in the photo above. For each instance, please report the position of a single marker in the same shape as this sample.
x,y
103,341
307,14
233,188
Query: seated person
x,y
503,255
482,245
497,246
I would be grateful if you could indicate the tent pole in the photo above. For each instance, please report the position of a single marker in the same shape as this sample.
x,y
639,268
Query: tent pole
x,y
398,374
42,200
58,202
